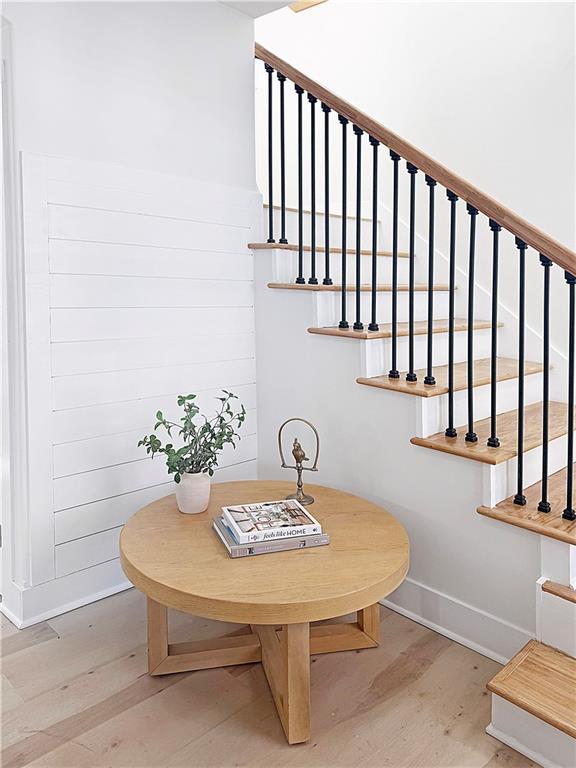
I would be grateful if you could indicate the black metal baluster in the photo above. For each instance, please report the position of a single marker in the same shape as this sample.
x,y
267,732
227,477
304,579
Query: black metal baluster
x,y
429,378
393,373
282,80
344,122
519,498
569,513
493,441
451,430
300,279
327,280
358,325
313,280
544,504
270,71
471,436
412,170
373,326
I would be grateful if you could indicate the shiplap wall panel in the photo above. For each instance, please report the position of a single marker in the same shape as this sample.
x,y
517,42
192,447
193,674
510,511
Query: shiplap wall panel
x,y
78,357
73,257
147,290
99,226
114,291
86,552
83,488
74,526
111,418
121,448
137,323
111,386
172,203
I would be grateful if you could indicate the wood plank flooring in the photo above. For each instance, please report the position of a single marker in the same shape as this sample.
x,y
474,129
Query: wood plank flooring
x,y
76,694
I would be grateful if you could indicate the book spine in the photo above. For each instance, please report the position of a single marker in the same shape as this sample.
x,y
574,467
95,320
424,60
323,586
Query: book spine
x,y
247,550
278,534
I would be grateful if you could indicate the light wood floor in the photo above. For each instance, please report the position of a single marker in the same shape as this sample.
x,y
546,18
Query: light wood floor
x,y
75,693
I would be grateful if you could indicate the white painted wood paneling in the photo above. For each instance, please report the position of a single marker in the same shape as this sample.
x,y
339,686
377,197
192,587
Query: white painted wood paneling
x,y
110,481
111,386
78,357
138,323
114,291
111,418
100,226
140,287
122,448
78,522
73,257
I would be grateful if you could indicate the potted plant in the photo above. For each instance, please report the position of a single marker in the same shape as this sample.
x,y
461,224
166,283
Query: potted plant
x,y
201,440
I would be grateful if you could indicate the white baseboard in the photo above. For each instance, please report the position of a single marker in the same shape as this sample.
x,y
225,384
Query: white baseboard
x,y
510,741
59,596
532,737
479,630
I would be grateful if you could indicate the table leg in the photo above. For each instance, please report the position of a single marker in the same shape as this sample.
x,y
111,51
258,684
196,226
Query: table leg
x,y
369,621
286,662
157,634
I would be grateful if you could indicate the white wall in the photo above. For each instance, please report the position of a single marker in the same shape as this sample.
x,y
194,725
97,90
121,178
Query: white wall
x,y
488,89
162,86
138,203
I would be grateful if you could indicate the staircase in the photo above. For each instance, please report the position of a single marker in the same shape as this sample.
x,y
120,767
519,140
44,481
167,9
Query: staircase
x,y
466,404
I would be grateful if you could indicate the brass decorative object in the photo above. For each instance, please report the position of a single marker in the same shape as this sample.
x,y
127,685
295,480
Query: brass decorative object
x,y
299,459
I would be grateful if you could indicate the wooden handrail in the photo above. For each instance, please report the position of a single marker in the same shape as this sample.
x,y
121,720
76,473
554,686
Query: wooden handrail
x,y
560,254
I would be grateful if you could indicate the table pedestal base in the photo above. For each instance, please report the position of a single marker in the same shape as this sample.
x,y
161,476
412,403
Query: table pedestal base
x,y
283,650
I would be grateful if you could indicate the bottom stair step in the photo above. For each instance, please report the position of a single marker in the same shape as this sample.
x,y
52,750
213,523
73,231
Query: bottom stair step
x,y
542,681
551,523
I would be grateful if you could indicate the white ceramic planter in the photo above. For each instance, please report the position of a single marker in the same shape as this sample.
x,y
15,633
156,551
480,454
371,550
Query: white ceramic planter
x,y
193,493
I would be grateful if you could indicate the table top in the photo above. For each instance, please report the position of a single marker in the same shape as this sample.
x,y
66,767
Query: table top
x,y
179,561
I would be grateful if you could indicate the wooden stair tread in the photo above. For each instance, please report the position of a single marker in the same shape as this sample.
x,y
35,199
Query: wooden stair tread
x,y
541,681
507,427
337,287
319,249
385,332
560,590
551,523
507,369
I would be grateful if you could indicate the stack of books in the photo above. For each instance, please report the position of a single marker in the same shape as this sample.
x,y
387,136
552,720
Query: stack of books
x,y
270,526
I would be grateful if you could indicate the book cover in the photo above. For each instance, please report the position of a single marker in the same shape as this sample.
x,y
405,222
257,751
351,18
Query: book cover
x,y
270,520
265,547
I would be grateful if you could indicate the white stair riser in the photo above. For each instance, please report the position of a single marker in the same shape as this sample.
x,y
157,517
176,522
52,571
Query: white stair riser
x,y
557,622
433,415
329,306
286,268
531,736
558,561
378,353
501,480
335,229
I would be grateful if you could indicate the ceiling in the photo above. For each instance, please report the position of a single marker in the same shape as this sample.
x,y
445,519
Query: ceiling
x,y
255,8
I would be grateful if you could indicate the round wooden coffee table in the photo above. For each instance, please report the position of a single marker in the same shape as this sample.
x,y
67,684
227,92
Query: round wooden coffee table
x,y
179,562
